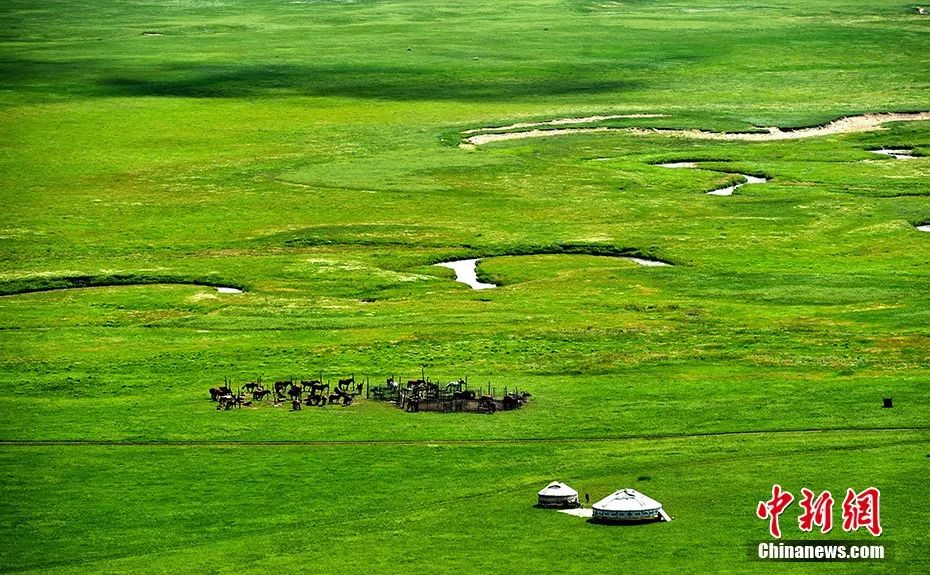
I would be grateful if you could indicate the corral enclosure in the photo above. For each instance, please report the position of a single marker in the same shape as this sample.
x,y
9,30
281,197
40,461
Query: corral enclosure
x,y
199,189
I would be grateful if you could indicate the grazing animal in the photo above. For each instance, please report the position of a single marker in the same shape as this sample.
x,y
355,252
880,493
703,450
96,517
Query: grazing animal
x,y
344,383
216,392
296,392
280,386
316,399
338,394
251,386
467,394
260,394
318,387
295,405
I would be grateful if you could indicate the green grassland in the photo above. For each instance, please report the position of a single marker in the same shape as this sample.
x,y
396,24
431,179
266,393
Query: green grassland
x,y
307,152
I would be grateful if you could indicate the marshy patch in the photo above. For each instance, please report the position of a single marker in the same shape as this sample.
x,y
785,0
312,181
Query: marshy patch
x,y
728,191
678,165
466,272
645,262
561,122
896,153
466,268
725,191
38,284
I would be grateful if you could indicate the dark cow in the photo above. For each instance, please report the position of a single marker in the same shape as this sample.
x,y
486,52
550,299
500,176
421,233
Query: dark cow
x,y
338,394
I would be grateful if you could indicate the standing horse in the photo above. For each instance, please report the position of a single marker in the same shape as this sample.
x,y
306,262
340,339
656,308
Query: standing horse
x,y
280,386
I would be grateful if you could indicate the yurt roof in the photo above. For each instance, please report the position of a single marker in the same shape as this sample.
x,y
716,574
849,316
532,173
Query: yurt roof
x,y
557,489
627,500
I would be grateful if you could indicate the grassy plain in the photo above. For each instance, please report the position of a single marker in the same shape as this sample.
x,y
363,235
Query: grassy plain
x,y
307,152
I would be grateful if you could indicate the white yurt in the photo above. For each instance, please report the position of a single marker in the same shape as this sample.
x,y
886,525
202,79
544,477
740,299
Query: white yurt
x,y
558,494
628,505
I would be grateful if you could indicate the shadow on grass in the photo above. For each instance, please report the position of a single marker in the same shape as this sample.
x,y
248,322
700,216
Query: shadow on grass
x,y
372,81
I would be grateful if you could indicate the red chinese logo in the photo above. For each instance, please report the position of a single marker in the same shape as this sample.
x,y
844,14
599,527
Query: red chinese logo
x,y
773,508
816,512
860,510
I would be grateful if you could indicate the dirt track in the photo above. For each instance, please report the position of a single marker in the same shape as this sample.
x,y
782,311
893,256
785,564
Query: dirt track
x,y
848,125
428,442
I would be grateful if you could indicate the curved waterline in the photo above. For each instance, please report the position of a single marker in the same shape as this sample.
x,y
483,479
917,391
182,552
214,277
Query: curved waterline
x,y
727,191
845,125
896,153
466,271
561,122
45,285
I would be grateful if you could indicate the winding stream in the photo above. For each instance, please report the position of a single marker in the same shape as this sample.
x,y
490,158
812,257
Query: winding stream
x,y
466,273
898,154
846,125
220,289
728,191
466,270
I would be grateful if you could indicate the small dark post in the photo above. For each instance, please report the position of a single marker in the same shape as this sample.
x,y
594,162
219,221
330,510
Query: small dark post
x,y
587,498
886,402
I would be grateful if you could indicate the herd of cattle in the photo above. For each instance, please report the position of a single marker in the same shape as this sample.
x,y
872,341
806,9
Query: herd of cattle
x,y
310,392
